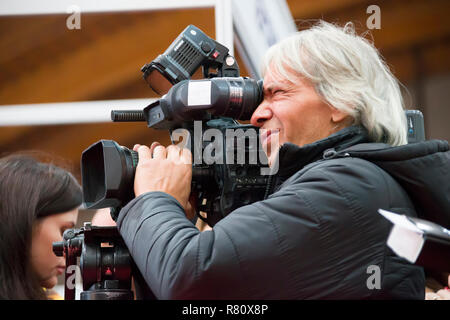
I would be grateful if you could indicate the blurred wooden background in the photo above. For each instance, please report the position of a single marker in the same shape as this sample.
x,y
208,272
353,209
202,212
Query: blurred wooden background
x,y
41,60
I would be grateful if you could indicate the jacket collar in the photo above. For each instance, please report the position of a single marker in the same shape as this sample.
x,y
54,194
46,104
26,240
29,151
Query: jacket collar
x,y
293,158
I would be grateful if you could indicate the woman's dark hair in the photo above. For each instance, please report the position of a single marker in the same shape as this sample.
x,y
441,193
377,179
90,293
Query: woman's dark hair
x,y
29,190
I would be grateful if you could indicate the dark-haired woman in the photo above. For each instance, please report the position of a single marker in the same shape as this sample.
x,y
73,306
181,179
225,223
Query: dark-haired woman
x,y
38,201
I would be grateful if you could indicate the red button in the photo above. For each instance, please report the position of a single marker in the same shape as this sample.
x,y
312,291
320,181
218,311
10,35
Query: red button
x,y
215,54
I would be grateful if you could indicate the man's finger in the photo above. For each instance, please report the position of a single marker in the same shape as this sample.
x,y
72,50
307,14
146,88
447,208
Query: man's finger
x,y
153,146
189,211
144,153
186,156
159,152
173,153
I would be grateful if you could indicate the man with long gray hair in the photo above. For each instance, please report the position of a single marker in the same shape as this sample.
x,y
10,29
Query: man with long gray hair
x,y
333,119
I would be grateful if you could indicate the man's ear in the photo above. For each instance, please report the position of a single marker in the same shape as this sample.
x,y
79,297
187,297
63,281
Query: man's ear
x,y
337,115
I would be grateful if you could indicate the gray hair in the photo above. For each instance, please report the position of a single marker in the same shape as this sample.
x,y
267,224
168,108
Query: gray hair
x,y
348,73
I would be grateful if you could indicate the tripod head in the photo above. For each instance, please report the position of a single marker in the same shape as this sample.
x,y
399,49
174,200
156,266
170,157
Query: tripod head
x,y
105,263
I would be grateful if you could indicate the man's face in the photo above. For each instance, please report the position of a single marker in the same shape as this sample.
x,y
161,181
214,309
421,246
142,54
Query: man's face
x,y
291,112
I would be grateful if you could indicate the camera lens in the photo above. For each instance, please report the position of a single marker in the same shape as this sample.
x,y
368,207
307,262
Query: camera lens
x,y
236,98
108,174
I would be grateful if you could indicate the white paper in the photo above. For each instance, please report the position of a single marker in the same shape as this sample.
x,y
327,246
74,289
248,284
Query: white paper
x,y
398,219
405,238
199,93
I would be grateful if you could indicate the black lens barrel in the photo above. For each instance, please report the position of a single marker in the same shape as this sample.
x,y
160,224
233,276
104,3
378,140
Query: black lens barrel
x,y
235,98
108,174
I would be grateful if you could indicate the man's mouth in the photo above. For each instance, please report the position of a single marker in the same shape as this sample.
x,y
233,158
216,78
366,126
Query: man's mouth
x,y
266,135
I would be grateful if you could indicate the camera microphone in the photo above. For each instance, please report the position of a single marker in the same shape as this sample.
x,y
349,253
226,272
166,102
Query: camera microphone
x,y
127,115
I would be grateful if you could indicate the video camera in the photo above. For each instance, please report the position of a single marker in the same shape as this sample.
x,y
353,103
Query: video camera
x,y
187,108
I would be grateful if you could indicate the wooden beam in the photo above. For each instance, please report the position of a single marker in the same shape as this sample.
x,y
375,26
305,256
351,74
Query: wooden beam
x,y
403,23
307,9
434,57
20,35
109,60
10,134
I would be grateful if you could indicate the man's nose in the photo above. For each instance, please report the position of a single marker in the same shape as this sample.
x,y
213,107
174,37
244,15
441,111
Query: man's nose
x,y
261,115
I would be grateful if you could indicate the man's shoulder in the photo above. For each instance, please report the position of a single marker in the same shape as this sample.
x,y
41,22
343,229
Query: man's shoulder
x,y
351,167
344,176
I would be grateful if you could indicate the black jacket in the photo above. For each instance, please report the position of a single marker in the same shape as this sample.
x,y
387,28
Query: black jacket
x,y
316,236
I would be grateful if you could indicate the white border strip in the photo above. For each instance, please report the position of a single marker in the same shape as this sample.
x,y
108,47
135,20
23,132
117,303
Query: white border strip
x,y
32,7
66,112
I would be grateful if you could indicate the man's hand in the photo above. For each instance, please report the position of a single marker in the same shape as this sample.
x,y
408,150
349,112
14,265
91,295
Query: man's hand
x,y
163,169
